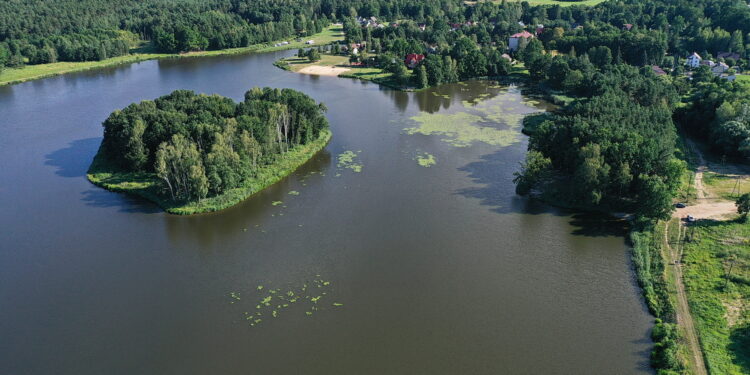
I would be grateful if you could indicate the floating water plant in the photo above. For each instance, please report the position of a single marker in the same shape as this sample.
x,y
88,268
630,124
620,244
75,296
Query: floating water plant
x,y
278,299
276,203
337,304
495,121
294,192
348,160
425,159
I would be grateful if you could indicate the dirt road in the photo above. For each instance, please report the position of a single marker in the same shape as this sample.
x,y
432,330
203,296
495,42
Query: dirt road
x,y
682,310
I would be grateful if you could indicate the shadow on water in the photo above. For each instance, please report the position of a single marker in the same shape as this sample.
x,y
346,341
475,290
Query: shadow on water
x,y
98,197
645,355
493,177
248,218
73,160
598,225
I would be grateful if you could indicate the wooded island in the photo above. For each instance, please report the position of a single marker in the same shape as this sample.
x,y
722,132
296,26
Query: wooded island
x,y
194,153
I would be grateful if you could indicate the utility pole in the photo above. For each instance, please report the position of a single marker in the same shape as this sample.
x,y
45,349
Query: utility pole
x,y
731,266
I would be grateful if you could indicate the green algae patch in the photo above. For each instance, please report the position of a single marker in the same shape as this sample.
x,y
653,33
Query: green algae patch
x,y
462,129
493,118
348,160
294,192
425,159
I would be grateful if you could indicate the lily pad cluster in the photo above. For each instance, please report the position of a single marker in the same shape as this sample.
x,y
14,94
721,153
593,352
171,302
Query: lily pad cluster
x,y
348,160
270,303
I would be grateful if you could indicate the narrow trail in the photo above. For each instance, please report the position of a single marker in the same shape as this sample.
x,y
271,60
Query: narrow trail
x,y
682,310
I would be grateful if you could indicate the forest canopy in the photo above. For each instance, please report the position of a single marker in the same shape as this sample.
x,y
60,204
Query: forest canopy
x,y
203,145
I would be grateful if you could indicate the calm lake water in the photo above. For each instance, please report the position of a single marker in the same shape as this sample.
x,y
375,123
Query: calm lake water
x,y
433,270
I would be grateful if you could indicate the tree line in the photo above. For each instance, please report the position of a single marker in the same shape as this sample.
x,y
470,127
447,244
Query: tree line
x,y
40,31
204,145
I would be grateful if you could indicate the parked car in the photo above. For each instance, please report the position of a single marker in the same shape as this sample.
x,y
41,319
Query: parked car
x,y
690,218
680,205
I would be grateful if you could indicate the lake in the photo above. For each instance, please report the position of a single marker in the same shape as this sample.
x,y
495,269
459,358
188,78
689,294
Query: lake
x,y
405,267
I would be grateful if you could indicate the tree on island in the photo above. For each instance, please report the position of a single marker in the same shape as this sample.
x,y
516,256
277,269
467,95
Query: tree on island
x,y
205,145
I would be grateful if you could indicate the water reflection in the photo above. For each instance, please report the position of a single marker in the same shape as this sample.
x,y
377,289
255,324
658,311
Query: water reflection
x,y
245,218
73,160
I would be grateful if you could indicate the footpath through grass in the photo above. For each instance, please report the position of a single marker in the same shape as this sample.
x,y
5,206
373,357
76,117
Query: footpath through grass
x,y
717,277
149,186
31,72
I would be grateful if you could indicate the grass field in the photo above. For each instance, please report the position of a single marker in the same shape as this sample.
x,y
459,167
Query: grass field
x,y
31,72
296,64
726,186
720,300
376,75
743,78
148,185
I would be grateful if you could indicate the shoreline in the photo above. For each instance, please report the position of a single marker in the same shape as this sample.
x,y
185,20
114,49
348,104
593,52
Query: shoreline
x,y
325,67
28,73
148,186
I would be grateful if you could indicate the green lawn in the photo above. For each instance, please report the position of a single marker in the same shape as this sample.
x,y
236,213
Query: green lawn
x,y
719,301
743,78
376,75
726,186
31,72
295,64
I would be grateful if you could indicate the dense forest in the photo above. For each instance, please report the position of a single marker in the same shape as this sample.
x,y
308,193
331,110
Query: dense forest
x,y
718,111
45,31
42,31
204,145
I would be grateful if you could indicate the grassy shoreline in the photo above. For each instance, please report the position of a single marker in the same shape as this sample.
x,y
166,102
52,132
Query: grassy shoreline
x,y
33,72
146,185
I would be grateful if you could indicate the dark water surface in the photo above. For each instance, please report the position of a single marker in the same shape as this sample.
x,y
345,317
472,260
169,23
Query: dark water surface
x,y
440,270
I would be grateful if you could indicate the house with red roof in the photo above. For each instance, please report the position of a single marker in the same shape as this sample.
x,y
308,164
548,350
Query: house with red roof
x,y
413,59
515,39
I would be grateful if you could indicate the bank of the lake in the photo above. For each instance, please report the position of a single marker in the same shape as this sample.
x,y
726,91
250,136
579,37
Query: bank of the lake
x,y
338,66
105,174
32,72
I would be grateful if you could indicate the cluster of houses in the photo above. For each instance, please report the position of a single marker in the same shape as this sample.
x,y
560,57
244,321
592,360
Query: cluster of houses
x,y
517,40
719,69
373,22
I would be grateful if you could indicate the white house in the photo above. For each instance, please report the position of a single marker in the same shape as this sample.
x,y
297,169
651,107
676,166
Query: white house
x,y
694,60
720,68
515,39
